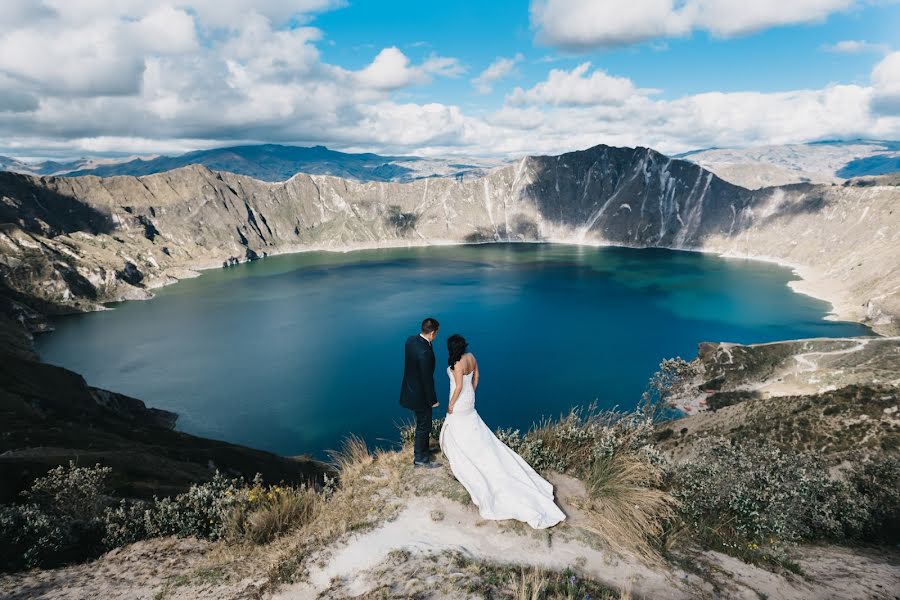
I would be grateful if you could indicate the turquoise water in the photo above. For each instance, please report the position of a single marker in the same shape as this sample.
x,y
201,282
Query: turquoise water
x,y
292,353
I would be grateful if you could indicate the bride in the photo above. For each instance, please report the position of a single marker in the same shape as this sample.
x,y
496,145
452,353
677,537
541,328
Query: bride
x,y
501,483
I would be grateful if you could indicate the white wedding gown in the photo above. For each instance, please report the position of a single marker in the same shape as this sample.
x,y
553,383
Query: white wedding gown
x,y
501,483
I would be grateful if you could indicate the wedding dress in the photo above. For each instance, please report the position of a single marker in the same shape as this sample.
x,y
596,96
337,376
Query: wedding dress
x,y
500,482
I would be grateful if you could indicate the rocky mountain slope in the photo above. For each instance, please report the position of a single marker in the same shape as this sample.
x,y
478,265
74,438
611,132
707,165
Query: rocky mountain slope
x,y
76,242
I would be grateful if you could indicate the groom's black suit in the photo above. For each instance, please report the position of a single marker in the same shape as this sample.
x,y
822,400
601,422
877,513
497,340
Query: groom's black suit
x,y
417,391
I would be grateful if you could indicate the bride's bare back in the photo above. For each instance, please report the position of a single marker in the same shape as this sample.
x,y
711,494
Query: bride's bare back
x,y
465,366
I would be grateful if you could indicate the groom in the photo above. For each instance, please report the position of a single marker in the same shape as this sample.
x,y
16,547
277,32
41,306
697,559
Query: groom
x,y
417,391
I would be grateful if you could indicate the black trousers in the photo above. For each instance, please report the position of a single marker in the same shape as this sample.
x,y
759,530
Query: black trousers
x,y
423,435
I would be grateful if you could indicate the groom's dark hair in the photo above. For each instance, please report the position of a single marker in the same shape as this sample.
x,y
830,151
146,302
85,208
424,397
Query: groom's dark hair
x,y
430,325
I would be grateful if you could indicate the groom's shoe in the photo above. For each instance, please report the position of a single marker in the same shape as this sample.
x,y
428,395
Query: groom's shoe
x,y
425,465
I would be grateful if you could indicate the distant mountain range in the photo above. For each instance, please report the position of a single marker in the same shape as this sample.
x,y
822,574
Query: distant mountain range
x,y
753,167
268,162
818,162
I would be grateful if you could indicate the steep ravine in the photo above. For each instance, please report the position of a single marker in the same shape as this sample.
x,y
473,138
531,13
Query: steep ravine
x,y
75,242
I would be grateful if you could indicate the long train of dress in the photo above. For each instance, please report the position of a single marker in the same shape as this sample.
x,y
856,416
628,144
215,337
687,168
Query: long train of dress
x,y
500,482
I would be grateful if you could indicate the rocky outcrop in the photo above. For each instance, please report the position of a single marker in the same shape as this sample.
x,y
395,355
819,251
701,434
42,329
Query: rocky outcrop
x,y
77,242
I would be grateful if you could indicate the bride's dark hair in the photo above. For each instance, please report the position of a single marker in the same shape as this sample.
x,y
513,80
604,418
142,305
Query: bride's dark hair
x,y
456,345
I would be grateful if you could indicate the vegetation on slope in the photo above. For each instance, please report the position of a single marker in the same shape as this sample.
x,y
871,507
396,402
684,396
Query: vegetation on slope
x,y
741,496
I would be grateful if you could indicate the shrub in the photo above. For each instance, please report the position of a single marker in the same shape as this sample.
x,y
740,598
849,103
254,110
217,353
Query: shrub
x,y
612,453
746,497
199,512
878,480
675,377
127,522
570,444
78,493
59,521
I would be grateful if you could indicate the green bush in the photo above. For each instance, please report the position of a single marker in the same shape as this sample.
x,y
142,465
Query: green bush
x,y
748,497
66,516
878,481
200,512
60,519
571,444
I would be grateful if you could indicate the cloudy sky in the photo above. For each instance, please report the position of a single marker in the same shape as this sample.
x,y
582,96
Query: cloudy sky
x,y
501,77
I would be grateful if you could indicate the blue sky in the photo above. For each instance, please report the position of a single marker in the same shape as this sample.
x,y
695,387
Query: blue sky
x,y
776,59
138,76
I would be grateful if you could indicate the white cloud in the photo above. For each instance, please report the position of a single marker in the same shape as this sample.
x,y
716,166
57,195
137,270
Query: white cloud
x,y
577,88
497,70
855,47
584,24
105,56
392,70
144,77
886,81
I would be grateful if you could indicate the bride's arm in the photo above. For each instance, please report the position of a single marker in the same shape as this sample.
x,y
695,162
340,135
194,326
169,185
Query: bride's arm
x,y
458,378
475,376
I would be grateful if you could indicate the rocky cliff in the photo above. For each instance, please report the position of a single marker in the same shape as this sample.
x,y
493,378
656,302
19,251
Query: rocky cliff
x,y
75,242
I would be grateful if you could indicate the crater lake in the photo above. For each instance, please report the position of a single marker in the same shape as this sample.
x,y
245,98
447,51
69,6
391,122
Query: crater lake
x,y
293,353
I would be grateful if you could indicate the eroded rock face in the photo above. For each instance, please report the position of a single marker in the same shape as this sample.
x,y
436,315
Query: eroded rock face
x,y
76,242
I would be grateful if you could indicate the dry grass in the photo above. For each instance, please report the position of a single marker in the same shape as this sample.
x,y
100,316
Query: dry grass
x,y
279,511
352,458
369,492
624,506
531,584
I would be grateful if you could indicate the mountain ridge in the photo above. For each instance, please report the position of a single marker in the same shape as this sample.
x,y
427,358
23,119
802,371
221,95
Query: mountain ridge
x,y
85,240
266,162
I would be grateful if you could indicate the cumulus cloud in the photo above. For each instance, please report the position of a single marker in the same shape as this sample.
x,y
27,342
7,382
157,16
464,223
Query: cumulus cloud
x,y
80,70
497,70
585,24
886,81
102,57
392,70
578,88
143,77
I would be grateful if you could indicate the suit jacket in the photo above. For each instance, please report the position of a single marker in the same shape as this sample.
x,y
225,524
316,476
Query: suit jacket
x,y
417,390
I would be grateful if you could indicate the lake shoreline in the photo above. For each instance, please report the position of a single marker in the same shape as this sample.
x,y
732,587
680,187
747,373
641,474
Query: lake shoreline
x,y
807,283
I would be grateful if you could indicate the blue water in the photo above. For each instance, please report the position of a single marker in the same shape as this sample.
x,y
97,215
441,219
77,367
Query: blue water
x,y
292,353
